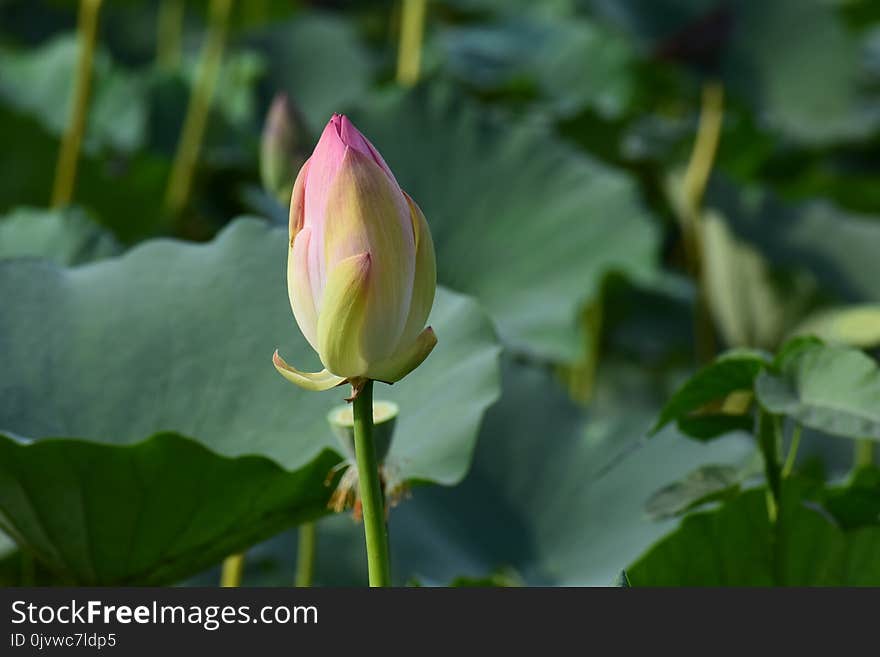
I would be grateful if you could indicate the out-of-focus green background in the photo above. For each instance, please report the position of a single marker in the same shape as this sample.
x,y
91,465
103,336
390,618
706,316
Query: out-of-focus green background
x,y
619,191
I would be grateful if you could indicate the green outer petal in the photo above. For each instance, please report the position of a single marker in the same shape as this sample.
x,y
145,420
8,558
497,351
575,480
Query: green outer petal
x,y
322,380
367,213
425,282
342,315
299,287
405,361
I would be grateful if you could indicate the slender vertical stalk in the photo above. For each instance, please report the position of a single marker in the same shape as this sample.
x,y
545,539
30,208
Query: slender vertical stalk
x,y
412,33
792,451
305,554
769,438
71,142
233,568
372,502
864,453
705,148
694,184
183,167
169,33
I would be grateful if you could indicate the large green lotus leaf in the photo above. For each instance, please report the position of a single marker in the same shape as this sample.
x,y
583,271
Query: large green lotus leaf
x,y
832,389
838,248
148,513
555,493
737,546
520,220
572,64
318,61
40,82
173,336
761,60
786,92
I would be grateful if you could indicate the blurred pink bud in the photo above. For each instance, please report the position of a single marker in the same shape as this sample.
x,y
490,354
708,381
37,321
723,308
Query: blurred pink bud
x,y
282,150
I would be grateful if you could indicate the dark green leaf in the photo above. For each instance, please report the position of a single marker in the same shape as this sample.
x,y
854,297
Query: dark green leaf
x,y
148,513
733,372
737,546
857,504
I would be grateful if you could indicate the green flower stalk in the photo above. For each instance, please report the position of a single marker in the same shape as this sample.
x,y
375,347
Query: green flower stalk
x,y
361,276
194,123
169,33
412,34
305,554
68,155
232,571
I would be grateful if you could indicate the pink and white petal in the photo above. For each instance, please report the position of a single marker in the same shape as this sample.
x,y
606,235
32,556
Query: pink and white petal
x,y
353,138
425,279
299,287
323,168
365,217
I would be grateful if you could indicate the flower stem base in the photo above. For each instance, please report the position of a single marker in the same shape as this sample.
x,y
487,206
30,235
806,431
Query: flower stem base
x,y
372,501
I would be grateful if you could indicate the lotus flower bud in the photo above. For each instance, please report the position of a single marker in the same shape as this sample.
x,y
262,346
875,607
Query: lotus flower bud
x,y
361,272
281,147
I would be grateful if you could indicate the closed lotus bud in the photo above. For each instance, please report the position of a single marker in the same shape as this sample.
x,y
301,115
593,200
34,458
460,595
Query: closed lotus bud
x,y
361,272
281,148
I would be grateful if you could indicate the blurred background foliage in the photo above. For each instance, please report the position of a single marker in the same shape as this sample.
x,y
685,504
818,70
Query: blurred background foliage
x,y
623,189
